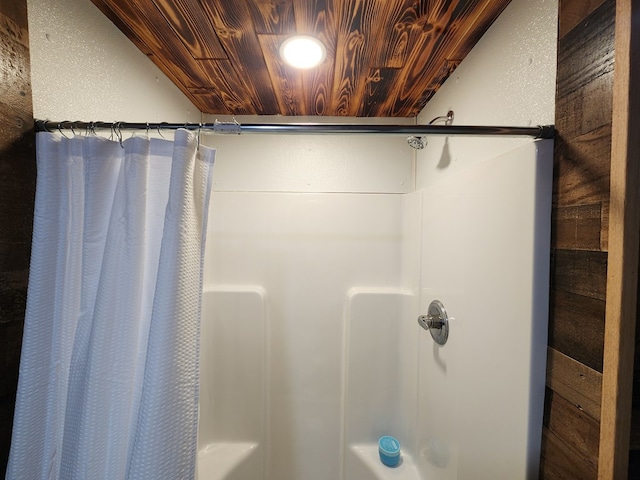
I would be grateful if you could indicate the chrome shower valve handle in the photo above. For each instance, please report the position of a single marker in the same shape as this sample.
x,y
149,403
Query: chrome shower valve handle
x,y
428,322
436,322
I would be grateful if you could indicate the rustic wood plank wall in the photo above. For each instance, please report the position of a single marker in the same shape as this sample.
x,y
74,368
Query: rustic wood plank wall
x,y
17,190
579,239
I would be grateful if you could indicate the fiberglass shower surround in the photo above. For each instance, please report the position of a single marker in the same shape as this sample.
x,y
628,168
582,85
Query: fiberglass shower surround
x,y
311,347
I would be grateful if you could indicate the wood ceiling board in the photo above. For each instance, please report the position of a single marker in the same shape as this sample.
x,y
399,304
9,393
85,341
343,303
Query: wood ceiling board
x,y
380,85
234,27
228,87
384,57
449,36
154,31
286,81
122,26
404,24
317,18
192,27
272,16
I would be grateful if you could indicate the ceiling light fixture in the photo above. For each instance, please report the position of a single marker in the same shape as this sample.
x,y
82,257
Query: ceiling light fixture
x,y
303,51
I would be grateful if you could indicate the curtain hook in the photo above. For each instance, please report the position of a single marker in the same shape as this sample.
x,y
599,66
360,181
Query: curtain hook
x,y
159,132
119,133
60,128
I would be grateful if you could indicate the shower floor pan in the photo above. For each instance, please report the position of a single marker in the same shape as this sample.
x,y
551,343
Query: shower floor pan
x,y
241,461
229,461
365,464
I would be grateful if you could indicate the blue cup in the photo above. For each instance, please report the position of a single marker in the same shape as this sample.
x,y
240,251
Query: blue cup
x,y
389,449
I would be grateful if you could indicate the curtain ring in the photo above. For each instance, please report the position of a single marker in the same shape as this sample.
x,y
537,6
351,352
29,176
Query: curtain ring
x,y
119,133
60,128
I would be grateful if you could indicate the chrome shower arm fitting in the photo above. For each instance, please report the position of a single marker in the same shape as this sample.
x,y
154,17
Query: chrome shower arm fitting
x,y
448,118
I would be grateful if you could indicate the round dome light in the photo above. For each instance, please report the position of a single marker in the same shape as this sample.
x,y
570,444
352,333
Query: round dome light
x,y
303,51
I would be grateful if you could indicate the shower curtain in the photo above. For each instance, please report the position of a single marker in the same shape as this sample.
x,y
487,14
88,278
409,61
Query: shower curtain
x,y
108,384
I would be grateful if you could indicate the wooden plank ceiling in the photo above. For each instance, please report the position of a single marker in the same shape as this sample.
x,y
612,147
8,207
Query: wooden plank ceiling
x,y
385,58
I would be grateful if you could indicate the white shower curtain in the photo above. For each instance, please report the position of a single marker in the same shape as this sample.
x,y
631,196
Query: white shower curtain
x,y
108,383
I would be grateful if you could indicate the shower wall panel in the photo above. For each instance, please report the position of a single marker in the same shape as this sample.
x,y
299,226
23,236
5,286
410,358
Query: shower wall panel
x,y
305,251
233,354
486,240
478,259
313,163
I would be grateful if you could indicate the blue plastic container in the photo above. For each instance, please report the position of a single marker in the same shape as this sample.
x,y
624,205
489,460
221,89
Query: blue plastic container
x,y
389,449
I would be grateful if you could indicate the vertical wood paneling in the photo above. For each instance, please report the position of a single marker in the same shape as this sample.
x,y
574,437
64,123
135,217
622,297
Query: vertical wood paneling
x,y
580,261
585,54
579,272
17,190
624,246
559,462
574,12
577,227
575,382
569,437
577,430
577,329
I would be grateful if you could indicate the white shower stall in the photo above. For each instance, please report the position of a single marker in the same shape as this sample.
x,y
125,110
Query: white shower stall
x,y
311,348
322,252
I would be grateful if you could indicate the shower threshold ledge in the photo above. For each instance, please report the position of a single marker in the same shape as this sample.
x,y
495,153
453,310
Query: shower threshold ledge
x,y
222,461
366,455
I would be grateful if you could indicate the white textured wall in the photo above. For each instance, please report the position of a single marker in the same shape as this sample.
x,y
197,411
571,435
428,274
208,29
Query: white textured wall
x,y
507,79
84,68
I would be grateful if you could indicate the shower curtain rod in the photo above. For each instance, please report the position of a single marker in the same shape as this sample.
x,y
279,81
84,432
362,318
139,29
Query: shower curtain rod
x,y
540,131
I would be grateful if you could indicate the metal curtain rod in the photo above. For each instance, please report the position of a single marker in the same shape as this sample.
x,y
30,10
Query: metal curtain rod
x,y
540,131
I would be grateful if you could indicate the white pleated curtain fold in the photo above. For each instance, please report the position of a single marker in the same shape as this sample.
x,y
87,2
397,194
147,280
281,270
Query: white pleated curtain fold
x,y
108,384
